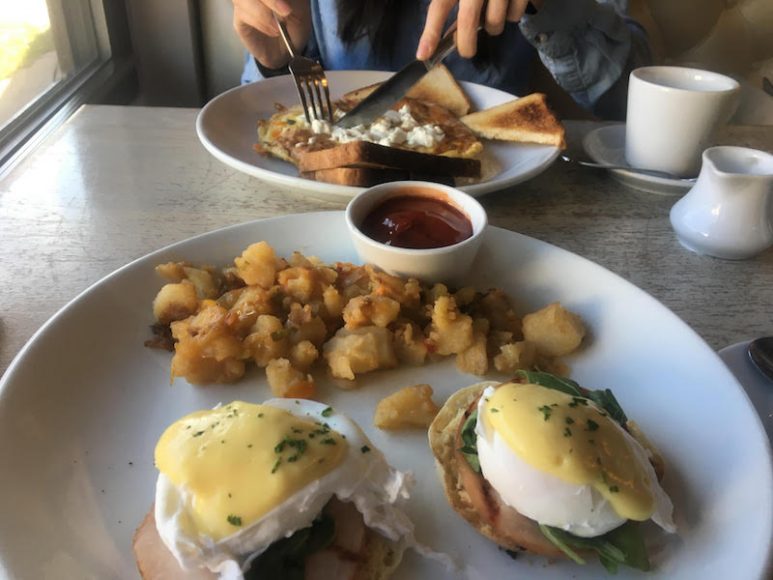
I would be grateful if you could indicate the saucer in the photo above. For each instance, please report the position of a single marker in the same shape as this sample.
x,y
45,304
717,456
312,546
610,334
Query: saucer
x,y
757,387
607,145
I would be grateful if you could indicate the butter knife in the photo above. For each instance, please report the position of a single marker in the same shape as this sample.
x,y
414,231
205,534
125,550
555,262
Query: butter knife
x,y
394,88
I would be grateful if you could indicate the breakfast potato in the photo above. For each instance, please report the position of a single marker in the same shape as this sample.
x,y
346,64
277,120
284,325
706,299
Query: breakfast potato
x,y
258,265
370,310
450,331
267,341
554,330
474,360
303,355
360,350
287,381
207,351
409,343
303,324
409,407
516,355
175,301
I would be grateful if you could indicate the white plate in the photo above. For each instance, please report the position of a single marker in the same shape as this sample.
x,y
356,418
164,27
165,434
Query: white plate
x,y
759,389
227,125
607,145
83,403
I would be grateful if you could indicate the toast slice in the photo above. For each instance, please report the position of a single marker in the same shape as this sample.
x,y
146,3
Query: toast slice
x,y
366,154
438,86
525,120
369,176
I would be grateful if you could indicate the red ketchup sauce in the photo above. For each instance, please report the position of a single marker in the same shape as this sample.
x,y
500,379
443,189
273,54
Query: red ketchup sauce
x,y
417,222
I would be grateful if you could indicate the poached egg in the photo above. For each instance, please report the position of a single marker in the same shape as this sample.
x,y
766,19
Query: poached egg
x,y
564,462
237,478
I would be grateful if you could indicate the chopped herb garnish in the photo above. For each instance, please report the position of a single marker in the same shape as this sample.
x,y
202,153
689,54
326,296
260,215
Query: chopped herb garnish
x,y
296,430
494,410
546,411
328,441
364,449
198,433
276,465
234,520
260,415
578,401
569,420
567,432
327,412
614,489
249,445
592,425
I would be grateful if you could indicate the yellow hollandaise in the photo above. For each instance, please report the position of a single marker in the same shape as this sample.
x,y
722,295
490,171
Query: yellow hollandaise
x,y
562,461
241,460
235,479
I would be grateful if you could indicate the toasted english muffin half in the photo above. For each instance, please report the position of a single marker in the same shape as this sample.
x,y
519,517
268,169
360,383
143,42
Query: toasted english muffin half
x,y
377,559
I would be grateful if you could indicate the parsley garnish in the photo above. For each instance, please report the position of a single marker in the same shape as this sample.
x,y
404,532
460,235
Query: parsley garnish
x,y
592,425
546,411
328,441
327,412
494,410
614,489
364,449
198,433
234,520
567,432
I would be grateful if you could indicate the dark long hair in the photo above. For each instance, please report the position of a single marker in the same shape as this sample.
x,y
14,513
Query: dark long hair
x,y
378,20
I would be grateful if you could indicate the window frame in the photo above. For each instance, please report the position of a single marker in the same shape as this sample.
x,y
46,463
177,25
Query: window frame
x,y
110,77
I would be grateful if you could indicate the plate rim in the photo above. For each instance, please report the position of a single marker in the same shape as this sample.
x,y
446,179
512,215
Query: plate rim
x,y
346,192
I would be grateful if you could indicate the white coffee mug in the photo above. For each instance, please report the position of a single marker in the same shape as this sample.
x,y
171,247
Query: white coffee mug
x,y
673,116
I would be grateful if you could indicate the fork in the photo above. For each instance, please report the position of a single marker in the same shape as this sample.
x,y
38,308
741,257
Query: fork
x,y
310,80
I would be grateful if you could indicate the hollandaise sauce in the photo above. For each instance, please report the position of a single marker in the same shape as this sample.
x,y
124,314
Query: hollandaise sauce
x,y
572,439
240,461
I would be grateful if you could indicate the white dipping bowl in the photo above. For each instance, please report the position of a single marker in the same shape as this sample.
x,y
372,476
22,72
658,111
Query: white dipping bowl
x,y
446,264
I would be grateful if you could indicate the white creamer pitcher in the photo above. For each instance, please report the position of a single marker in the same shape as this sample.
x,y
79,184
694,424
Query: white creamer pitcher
x,y
729,211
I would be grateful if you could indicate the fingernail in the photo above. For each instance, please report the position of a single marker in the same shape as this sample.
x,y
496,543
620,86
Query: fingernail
x,y
423,51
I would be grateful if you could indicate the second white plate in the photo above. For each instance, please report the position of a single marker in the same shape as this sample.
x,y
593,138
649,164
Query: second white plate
x,y
227,127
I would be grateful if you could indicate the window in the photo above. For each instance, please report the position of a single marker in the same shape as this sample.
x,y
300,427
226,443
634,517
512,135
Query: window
x,y
54,54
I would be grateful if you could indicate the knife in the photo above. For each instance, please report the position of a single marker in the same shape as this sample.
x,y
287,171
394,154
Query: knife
x,y
394,88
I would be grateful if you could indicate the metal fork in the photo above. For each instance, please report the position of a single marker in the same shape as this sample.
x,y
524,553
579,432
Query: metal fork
x,y
310,80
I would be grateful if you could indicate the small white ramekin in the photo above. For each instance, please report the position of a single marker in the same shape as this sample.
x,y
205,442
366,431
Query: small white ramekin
x,y
447,264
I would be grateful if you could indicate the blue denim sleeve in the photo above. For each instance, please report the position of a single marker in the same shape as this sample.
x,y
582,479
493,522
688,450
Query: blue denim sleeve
x,y
589,47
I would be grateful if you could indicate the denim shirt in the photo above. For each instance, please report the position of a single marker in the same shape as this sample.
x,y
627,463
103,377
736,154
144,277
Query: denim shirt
x,y
587,45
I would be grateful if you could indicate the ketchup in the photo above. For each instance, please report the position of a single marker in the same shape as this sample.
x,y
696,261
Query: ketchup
x,y
417,222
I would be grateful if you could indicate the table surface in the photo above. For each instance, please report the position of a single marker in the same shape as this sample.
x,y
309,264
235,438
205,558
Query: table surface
x,y
114,183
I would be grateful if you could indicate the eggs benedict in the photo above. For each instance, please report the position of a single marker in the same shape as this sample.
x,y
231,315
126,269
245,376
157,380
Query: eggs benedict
x,y
543,465
288,488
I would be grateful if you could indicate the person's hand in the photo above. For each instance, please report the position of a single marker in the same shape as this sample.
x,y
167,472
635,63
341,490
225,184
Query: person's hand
x,y
469,17
258,32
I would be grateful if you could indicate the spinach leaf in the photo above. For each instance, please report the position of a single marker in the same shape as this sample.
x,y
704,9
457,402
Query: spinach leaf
x,y
623,545
286,558
469,447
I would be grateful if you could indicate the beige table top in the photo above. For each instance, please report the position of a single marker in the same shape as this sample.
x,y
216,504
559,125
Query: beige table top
x,y
115,183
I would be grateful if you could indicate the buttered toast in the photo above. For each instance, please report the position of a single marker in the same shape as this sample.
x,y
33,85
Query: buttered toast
x,y
526,120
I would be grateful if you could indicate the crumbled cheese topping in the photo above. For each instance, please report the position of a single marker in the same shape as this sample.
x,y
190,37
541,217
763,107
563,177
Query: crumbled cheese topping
x,y
393,128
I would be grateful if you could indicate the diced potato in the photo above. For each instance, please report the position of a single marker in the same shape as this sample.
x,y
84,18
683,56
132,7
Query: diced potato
x,y
370,310
207,351
206,286
450,331
409,407
175,302
303,324
474,360
514,356
554,330
361,350
258,265
303,355
287,381
410,343
267,341
495,306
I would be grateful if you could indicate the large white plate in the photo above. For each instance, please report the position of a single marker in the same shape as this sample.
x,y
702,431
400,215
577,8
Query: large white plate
x,y
82,405
227,127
